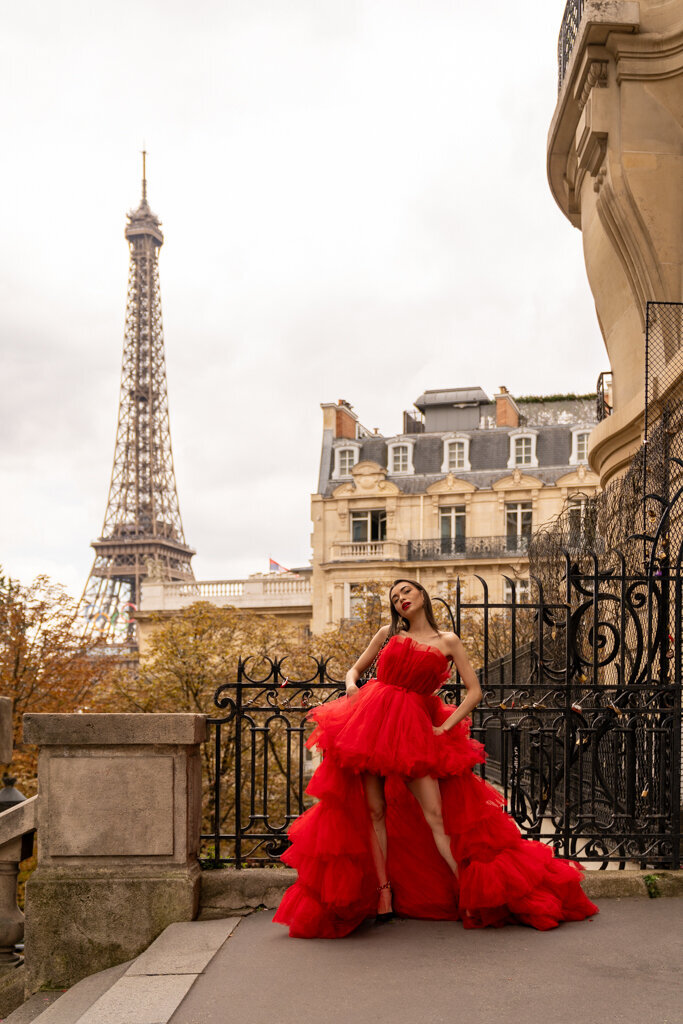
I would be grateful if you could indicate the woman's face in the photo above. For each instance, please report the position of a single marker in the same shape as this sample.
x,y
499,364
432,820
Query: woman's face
x,y
406,599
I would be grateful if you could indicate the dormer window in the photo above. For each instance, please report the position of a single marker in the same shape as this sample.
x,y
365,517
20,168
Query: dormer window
x,y
400,457
579,454
345,458
522,449
456,454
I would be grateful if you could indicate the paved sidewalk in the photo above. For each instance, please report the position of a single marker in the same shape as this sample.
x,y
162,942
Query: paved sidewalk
x,y
624,967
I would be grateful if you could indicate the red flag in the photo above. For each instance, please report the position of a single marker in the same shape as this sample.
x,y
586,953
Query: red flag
x,y
276,567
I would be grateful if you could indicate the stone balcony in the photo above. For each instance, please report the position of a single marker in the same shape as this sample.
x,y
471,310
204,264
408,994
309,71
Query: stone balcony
x,y
373,550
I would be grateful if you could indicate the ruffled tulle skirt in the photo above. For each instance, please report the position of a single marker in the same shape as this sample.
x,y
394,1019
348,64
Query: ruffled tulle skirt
x,y
388,730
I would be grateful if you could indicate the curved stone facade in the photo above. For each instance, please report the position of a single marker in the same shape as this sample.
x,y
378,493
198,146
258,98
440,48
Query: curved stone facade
x,y
615,167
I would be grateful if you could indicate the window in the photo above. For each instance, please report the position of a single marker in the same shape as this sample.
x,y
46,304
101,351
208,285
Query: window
x,y
456,454
399,458
347,459
522,448
346,456
522,591
522,451
364,603
579,453
368,526
580,523
518,516
452,524
582,447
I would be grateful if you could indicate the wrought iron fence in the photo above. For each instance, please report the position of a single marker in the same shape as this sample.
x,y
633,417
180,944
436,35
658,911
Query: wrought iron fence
x,y
571,19
512,546
581,719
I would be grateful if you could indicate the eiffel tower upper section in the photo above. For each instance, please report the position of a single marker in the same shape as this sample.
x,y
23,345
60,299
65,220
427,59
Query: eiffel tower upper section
x,y
143,532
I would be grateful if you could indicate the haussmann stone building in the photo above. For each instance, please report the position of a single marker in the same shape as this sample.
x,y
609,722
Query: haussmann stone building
x,y
459,491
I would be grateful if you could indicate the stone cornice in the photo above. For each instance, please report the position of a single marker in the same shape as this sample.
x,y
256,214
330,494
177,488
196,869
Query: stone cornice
x,y
600,20
647,57
615,440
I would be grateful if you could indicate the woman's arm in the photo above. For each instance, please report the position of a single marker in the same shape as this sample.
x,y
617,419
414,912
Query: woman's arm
x,y
365,661
473,697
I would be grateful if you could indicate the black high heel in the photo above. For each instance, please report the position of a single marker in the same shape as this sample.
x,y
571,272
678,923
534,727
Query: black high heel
x,y
389,915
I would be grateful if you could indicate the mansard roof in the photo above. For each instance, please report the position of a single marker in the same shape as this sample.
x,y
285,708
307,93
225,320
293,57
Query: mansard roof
x,y
489,452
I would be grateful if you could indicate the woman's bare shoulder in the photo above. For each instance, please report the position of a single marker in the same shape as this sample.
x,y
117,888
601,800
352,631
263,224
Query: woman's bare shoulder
x,y
452,642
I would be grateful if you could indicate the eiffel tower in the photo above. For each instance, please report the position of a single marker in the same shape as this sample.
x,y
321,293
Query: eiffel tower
x,y
142,535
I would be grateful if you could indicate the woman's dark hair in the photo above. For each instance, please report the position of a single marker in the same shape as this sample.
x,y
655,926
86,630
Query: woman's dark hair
x,y
398,623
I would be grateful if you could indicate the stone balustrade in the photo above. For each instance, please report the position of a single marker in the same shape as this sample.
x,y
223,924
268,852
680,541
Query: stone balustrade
x,y
372,550
262,593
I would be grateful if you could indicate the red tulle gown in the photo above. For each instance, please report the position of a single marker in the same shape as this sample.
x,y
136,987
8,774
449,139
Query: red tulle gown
x,y
387,729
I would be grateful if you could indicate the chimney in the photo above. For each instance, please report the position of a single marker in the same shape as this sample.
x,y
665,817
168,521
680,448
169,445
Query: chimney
x,y
340,419
507,413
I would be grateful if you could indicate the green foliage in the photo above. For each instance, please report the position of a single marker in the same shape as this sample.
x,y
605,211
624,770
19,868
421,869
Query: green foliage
x,y
652,885
557,398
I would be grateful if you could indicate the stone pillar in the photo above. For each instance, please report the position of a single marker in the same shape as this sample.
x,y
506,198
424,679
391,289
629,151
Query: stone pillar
x,y
118,819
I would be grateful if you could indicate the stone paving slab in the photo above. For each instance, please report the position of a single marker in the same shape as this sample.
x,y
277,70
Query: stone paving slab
x,y
622,966
57,1007
183,948
148,999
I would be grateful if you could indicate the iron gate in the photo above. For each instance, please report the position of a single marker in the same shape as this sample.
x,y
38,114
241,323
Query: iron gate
x,y
581,719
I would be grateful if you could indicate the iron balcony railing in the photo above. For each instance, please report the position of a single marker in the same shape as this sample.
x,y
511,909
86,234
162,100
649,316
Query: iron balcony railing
x,y
568,33
467,547
604,396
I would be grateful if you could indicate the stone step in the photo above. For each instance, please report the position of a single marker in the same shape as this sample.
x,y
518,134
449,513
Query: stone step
x,y
146,990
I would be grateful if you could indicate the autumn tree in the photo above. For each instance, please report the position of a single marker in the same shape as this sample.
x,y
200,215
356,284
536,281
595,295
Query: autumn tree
x,y
46,665
188,657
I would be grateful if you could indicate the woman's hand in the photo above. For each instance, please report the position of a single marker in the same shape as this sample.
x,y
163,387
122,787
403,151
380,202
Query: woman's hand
x,y
351,682
439,730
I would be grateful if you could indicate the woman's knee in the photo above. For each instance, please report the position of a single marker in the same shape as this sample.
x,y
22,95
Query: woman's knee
x,y
378,810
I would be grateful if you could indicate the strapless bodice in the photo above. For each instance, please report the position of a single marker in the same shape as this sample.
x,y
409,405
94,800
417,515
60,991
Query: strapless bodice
x,y
413,666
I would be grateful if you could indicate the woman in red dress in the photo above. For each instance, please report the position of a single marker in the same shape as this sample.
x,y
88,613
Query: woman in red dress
x,y
402,824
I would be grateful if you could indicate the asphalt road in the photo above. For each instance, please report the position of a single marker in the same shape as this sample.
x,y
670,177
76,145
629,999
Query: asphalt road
x,y
622,967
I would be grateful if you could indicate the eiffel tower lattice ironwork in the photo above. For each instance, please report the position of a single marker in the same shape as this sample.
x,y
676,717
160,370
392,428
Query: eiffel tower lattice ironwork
x,y
143,533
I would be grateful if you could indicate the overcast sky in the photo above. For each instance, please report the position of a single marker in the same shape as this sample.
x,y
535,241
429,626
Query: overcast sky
x,y
354,201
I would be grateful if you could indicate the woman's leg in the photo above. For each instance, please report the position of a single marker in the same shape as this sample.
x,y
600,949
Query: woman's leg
x,y
374,795
427,793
